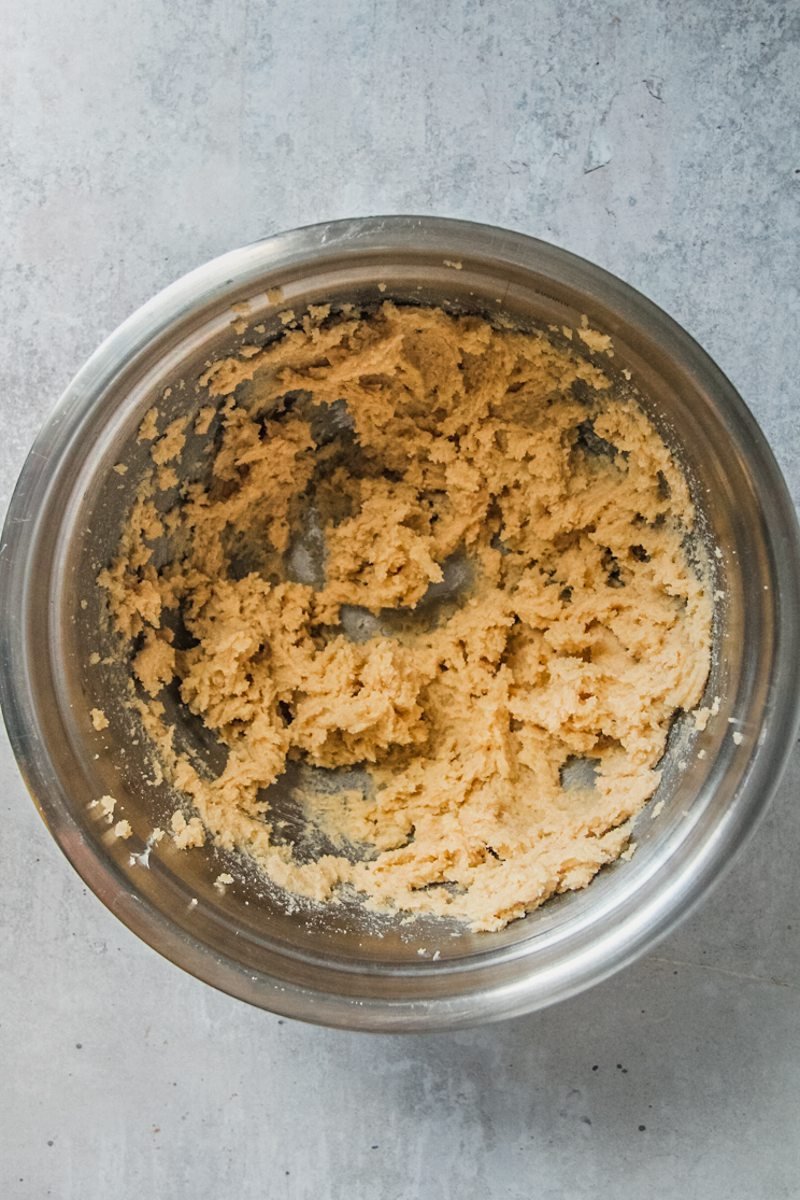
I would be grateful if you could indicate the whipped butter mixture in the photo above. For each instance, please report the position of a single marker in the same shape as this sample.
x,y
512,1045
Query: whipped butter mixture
x,y
451,556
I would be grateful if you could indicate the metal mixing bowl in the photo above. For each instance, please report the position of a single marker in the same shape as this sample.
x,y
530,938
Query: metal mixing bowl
x,y
338,966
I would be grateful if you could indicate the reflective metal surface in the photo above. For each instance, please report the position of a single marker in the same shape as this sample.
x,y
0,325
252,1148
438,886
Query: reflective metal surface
x,y
339,966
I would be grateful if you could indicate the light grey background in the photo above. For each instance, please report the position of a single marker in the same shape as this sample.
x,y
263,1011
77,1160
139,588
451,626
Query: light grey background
x,y
139,138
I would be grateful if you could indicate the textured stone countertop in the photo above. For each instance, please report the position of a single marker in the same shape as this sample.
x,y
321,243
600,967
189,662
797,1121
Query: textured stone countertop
x,y
660,140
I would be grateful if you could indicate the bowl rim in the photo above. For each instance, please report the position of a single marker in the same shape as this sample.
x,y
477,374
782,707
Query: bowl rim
x,y
213,282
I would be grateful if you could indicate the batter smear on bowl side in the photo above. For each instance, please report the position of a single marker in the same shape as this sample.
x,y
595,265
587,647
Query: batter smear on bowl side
x,y
448,555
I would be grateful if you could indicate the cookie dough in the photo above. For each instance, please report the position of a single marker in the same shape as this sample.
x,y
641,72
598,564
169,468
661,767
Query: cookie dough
x,y
450,556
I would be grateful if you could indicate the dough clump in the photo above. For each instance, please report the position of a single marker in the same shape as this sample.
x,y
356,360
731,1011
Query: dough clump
x,y
449,556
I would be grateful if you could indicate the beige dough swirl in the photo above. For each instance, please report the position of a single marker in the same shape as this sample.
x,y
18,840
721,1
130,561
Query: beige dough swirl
x,y
360,465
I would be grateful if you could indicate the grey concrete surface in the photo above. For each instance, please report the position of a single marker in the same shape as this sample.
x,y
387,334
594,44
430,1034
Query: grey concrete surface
x,y
137,140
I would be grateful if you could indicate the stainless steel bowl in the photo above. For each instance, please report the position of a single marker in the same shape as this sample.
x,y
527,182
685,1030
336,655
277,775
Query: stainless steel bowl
x,y
337,967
